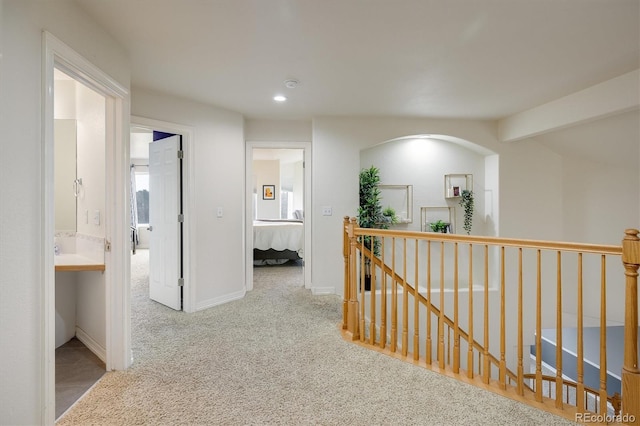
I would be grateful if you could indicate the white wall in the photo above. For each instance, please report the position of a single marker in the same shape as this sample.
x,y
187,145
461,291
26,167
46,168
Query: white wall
x,y
423,163
277,130
267,172
298,185
218,148
21,197
337,143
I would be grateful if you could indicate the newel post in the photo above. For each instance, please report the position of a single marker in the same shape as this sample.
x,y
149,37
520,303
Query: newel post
x,y
345,253
352,318
630,370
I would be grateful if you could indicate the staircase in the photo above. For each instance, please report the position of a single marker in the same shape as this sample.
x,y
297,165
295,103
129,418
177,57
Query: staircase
x,y
475,308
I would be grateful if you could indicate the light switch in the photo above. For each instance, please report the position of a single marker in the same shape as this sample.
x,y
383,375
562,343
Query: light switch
x,y
326,211
96,217
220,212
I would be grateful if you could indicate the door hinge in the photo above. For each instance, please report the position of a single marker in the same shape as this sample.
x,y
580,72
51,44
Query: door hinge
x,y
180,282
181,154
180,218
107,245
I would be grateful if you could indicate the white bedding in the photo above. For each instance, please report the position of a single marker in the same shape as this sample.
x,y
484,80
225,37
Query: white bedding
x,y
278,235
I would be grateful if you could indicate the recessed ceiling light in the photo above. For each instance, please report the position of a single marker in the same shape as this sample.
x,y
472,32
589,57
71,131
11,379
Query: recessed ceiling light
x,y
279,98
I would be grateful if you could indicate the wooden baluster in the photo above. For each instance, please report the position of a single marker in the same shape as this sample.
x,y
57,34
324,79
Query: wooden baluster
x,y
580,348
470,343
416,309
383,301
486,376
372,300
559,380
352,320
503,363
428,356
405,300
456,326
394,298
630,370
365,262
603,335
448,345
520,383
345,253
538,327
441,318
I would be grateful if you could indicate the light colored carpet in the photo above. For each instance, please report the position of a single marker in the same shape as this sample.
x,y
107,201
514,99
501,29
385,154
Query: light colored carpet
x,y
275,357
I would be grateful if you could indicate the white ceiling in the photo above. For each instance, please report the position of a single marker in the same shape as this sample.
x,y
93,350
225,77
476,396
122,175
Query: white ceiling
x,y
482,59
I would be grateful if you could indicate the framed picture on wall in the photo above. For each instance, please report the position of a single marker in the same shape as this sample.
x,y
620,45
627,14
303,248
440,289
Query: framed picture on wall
x,y
268,192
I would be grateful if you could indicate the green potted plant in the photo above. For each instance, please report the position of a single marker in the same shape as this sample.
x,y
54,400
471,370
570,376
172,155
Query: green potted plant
x,y
466,201
439,226
390,216
371,214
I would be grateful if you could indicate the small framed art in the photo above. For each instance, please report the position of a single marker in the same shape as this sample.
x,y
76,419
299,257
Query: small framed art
x,y
268,192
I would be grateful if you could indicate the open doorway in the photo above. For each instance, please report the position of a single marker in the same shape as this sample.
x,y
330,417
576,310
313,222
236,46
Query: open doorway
x,y
145,221
157,213
278,217
278,210
80,202
97,223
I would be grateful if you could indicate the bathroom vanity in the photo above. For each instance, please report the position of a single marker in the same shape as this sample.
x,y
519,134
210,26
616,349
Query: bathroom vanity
x,y
80,291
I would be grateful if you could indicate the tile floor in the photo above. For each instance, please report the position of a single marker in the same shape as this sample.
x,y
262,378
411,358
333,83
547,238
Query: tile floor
x,y
77,369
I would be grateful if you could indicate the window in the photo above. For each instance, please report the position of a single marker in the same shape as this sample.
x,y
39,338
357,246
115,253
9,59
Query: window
x,y
142,197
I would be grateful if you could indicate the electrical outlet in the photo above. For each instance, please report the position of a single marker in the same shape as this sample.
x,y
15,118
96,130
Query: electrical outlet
x,y
326,211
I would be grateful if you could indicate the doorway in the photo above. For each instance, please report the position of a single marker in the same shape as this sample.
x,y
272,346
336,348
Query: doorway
x,y
110,332
142,136
282,196
79,199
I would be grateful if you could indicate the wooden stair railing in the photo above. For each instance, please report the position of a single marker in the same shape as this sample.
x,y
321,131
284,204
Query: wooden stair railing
x,y
527,387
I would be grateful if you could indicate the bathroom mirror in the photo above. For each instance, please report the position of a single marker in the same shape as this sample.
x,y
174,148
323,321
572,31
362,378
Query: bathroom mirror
x,y
79,157
65,185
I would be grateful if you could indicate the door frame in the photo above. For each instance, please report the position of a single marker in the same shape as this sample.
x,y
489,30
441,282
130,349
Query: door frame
x,y
188,206
248,229
56,54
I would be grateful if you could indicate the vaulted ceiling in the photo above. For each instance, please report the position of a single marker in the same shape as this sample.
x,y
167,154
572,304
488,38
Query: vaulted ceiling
x,y
478,59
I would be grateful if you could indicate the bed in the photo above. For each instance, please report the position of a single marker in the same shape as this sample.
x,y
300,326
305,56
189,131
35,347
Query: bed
x,y
277,241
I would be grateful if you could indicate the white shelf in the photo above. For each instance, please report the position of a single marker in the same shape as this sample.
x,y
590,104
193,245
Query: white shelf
x,y
429,215
454,184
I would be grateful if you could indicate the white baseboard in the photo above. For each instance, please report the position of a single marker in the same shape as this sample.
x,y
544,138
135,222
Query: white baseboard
x,y
91,344
317,291
210,303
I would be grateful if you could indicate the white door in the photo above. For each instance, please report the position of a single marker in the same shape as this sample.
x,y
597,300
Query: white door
x,y
164,208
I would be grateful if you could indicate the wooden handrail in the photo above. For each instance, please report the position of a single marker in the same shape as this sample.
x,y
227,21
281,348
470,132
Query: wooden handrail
x,y
354,310
493,241
614,399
